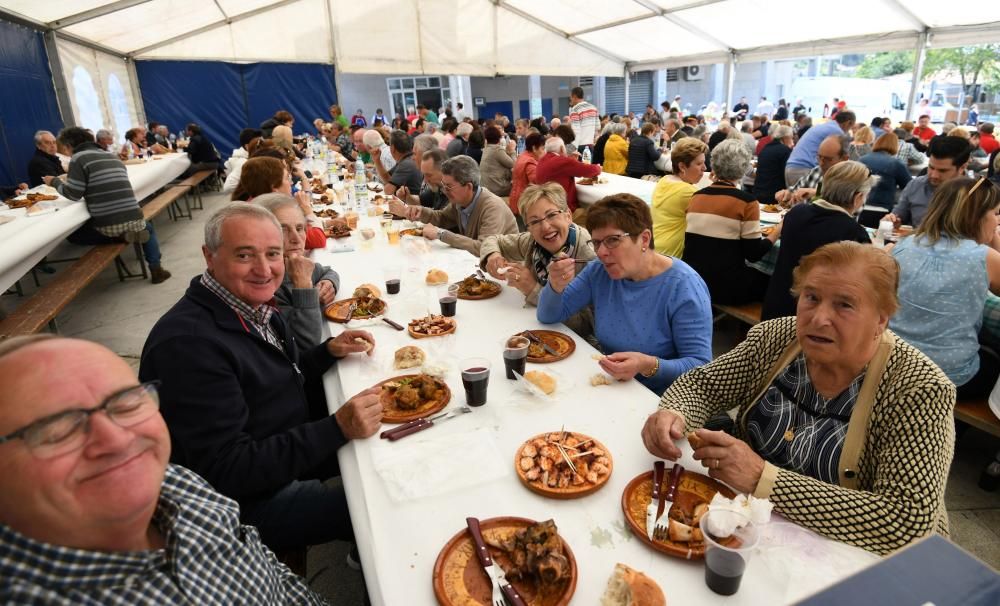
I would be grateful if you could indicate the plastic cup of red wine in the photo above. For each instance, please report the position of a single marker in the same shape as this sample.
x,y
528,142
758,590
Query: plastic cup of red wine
x,y
515,356
726,557
475,379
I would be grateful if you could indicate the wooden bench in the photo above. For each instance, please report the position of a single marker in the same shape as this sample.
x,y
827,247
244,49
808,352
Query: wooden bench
x,y
978,414
168,200
748,313
41,309
195,182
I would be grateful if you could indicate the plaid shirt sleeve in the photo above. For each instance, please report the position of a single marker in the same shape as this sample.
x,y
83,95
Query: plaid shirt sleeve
x,y
209,559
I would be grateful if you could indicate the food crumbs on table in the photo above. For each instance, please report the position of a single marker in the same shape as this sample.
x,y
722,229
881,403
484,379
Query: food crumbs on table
x,y
622,529
601,537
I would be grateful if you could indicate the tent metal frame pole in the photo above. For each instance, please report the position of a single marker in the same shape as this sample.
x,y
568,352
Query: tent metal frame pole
x,y
626,78
529,17
133,77
730,79
93,13
59,79
211,26
918,72
7,15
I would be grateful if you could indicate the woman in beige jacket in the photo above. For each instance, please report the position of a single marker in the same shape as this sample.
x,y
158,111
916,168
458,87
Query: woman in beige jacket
x,y
497,163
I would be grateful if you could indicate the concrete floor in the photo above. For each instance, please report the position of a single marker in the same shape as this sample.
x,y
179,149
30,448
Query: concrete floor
x,y
120,315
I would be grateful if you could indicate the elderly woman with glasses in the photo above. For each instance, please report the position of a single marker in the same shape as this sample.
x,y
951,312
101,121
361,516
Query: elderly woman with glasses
x,y
847,429
652,314
523,259
946,269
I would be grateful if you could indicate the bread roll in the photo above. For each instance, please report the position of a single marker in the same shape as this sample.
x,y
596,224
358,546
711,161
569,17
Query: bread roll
x,y
368,290
628,587
541,380
409,357
600,379
436,277
695,441
360,341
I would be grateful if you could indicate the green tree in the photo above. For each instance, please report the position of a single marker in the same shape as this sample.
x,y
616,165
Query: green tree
x,y
880,65
971,62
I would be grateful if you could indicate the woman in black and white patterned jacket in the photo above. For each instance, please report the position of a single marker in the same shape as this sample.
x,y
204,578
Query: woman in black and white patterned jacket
x,y
843,426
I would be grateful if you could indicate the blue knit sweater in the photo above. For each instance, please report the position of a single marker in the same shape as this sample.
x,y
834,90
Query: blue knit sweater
x,y
668,316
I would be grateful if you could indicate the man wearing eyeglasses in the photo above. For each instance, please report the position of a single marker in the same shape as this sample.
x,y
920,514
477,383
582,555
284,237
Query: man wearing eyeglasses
x,y
833,150
90,509
473,214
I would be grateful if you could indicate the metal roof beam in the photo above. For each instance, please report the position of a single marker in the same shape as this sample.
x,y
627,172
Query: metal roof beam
x,y
93,13
918,23
559,32
666,14
210,27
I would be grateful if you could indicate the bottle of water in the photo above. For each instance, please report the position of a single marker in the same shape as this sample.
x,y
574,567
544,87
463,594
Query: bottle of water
x,y
173,141
586,155
131,152
331,169
360,182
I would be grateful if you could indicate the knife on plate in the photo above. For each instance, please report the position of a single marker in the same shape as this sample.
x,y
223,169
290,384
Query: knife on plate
x,y
533,337
667,498
414,426
493,571
654,501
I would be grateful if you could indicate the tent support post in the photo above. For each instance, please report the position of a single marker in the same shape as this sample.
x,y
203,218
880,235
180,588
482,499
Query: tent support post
x,y
918,73
730,78
627,78
59,79
133,77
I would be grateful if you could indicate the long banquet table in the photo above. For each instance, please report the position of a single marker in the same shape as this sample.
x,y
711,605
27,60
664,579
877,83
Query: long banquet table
x,y
408,498
27,239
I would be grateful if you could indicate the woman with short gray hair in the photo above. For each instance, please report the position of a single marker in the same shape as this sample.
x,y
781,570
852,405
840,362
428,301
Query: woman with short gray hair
x,y
826,220
307,287
723,231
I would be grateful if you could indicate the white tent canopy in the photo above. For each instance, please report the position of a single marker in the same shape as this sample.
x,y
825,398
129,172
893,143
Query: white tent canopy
x,y
487,37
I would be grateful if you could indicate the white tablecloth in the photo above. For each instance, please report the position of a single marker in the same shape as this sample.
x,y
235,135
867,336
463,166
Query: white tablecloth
x,y
620,184
24,241
616,184
471,474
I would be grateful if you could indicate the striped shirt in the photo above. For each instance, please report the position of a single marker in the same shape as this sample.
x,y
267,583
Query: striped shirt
x,y
259,317
722,233
796,428
585,120
209,558
102,180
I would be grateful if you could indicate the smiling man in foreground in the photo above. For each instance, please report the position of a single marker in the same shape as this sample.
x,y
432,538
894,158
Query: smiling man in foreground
x,y
90,510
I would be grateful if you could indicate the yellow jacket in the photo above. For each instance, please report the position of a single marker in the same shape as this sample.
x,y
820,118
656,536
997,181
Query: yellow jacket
x,y
615,155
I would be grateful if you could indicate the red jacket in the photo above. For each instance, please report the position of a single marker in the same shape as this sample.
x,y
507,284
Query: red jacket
x,y
988,142
924,133
522,176
315,238
562,170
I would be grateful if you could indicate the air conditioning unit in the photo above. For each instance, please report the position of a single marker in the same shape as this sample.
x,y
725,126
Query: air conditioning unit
x,y
693,72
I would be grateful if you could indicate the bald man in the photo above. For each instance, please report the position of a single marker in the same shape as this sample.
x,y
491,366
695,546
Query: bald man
x,y
90,509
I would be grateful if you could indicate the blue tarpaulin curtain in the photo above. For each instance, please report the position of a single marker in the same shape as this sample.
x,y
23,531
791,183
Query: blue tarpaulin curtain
x,y
226,97
27,99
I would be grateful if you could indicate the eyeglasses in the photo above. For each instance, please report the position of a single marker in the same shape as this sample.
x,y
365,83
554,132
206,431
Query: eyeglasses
x,y
612,242
448,187
67,431
549,217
